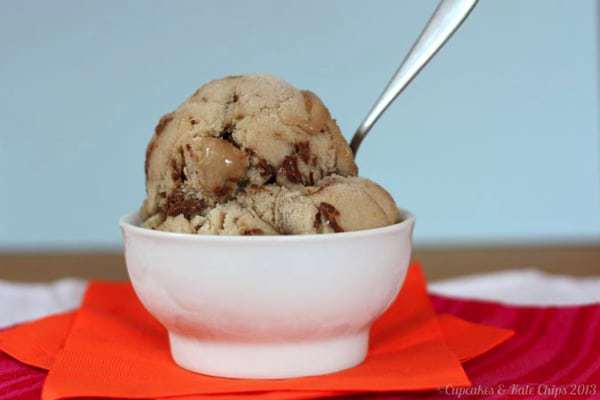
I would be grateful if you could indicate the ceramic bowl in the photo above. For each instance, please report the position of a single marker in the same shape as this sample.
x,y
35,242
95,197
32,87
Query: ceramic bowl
x,y
267,306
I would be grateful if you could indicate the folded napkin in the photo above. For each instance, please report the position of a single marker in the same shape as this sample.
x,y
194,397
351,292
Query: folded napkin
x,y
114,348
555,350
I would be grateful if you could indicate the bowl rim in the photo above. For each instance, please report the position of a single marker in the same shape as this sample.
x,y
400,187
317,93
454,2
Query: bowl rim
x,y
131,222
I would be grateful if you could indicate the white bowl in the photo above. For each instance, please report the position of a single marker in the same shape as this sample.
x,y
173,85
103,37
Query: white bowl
x,y
267,306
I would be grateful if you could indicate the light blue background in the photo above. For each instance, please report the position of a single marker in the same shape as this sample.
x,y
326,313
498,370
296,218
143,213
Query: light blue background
x,y
497,139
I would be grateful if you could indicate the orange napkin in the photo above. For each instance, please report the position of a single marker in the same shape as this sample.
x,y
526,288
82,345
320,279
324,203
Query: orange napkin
x,y
116,349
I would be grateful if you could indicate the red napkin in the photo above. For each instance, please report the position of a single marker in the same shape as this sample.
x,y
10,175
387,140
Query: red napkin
x,y
116,349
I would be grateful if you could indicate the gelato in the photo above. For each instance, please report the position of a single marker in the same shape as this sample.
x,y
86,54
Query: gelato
x,y
252,155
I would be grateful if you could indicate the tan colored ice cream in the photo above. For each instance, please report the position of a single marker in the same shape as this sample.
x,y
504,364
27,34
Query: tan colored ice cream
x,y
252,155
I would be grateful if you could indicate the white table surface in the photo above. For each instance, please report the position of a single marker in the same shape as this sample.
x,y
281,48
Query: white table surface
x,y
25,301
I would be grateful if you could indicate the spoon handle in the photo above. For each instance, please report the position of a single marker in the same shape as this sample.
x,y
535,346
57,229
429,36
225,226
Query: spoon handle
x,y
446,18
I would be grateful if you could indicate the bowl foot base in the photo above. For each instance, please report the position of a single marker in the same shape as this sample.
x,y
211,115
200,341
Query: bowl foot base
x,y
269,360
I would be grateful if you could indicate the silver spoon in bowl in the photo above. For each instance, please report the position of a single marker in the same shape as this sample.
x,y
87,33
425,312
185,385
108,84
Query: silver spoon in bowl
x,y
444,21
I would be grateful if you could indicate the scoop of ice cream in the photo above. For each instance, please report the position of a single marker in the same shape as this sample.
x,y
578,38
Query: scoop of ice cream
x,y
238,131
336,204
252,155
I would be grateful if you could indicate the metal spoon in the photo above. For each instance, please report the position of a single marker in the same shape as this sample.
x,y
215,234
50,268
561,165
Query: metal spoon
x,y
445,20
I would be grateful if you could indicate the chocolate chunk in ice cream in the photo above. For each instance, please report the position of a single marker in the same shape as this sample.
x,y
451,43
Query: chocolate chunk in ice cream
x,y
328,214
